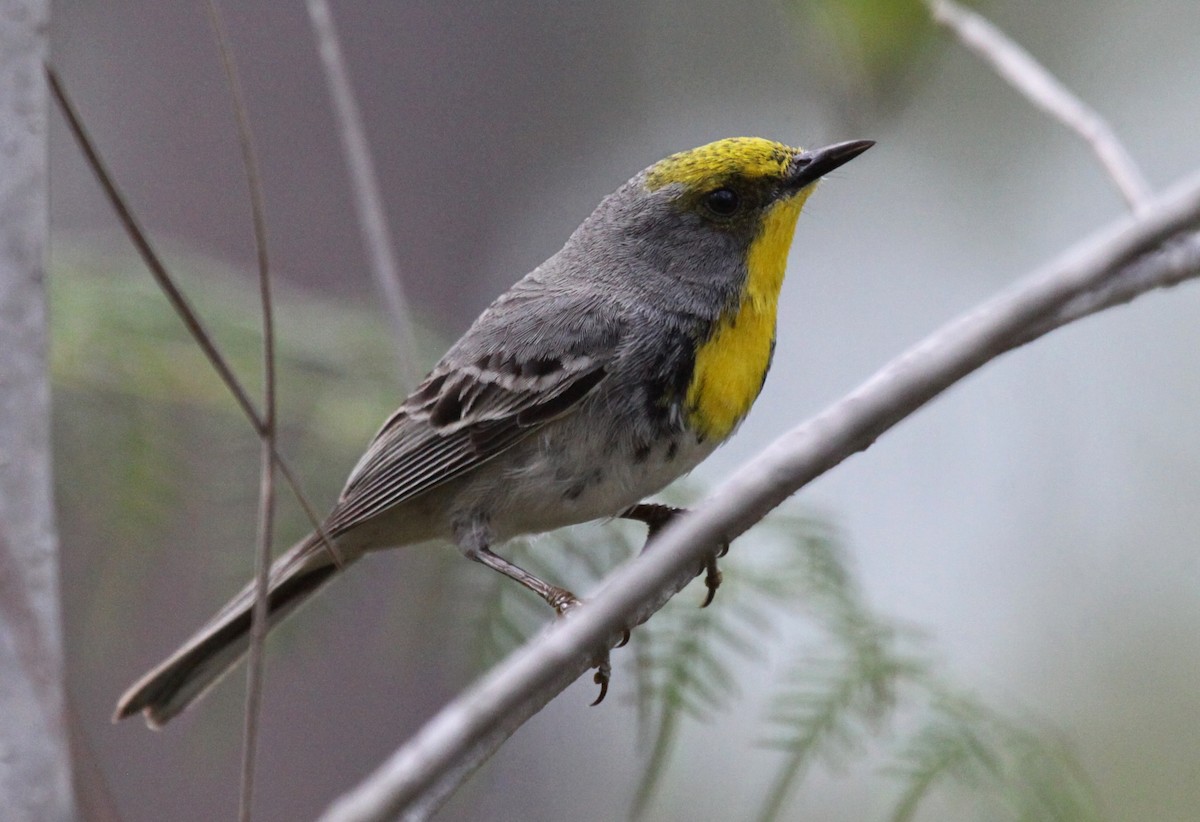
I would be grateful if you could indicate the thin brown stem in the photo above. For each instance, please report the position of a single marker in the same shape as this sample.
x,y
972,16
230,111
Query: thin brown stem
x,y
256,664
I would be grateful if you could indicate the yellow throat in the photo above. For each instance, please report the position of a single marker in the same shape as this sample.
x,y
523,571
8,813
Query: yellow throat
x,y
732,364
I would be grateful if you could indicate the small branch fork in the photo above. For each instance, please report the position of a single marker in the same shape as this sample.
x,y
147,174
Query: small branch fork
x,y
177,299
263,424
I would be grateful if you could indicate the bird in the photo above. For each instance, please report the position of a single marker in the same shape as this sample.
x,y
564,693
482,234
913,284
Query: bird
x,y
610,370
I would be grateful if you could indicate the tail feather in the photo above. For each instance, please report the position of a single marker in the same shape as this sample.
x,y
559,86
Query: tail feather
x,y
215,649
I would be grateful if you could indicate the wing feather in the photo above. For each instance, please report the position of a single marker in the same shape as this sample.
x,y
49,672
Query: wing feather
x,y
458,419
533,356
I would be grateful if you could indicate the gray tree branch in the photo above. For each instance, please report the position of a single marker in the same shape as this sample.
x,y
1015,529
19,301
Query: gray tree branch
x,y
1131,256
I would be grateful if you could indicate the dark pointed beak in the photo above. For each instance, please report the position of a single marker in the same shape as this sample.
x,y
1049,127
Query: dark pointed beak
x,y
810,166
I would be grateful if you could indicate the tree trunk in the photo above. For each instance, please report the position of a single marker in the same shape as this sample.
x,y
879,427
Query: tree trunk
x,y
35,772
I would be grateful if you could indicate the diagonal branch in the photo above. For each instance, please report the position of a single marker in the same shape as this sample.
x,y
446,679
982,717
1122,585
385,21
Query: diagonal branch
x,y
1019,68
417,778
1177,260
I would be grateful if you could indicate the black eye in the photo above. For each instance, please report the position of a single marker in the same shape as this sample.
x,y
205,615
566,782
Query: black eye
x,y
723,202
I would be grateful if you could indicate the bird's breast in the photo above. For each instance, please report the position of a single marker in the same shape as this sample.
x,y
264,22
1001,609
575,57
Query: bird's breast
x,y
729,371
732,362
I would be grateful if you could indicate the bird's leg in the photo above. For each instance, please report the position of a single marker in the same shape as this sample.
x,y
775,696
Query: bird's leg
x,y
656,517
560,599
474,541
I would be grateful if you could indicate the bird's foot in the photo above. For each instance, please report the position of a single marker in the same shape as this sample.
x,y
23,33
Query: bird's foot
x,y
564,603
656,517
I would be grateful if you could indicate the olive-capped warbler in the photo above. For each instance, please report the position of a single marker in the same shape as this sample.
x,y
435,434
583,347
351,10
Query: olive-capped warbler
x,y
608,371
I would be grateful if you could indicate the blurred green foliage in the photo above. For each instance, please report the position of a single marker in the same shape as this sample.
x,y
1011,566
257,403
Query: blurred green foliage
x,y
115,335
867,54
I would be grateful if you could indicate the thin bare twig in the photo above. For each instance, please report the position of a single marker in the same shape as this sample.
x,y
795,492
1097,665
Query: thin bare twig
x,y
266,499
1024,73
365,184
256,660
417,778
178,301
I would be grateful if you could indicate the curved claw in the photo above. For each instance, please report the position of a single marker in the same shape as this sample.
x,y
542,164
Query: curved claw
x,y
656,517
712,578
564,602
602,676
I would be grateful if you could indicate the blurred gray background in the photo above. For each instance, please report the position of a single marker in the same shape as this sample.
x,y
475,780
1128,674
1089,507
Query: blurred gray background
x,y
1038,522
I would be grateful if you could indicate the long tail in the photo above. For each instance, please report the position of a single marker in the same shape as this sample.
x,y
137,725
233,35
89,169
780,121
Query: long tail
x,y
215,649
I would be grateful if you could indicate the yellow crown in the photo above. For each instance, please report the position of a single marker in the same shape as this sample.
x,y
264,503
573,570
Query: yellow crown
x,y
748,157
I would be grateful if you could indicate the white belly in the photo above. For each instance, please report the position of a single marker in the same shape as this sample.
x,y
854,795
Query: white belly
x,y
559,478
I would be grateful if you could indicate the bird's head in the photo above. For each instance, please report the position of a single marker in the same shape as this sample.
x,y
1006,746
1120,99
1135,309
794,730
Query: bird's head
x,y
713,214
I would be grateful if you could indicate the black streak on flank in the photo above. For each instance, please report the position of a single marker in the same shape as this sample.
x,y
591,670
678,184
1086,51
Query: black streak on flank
x,y
669,386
